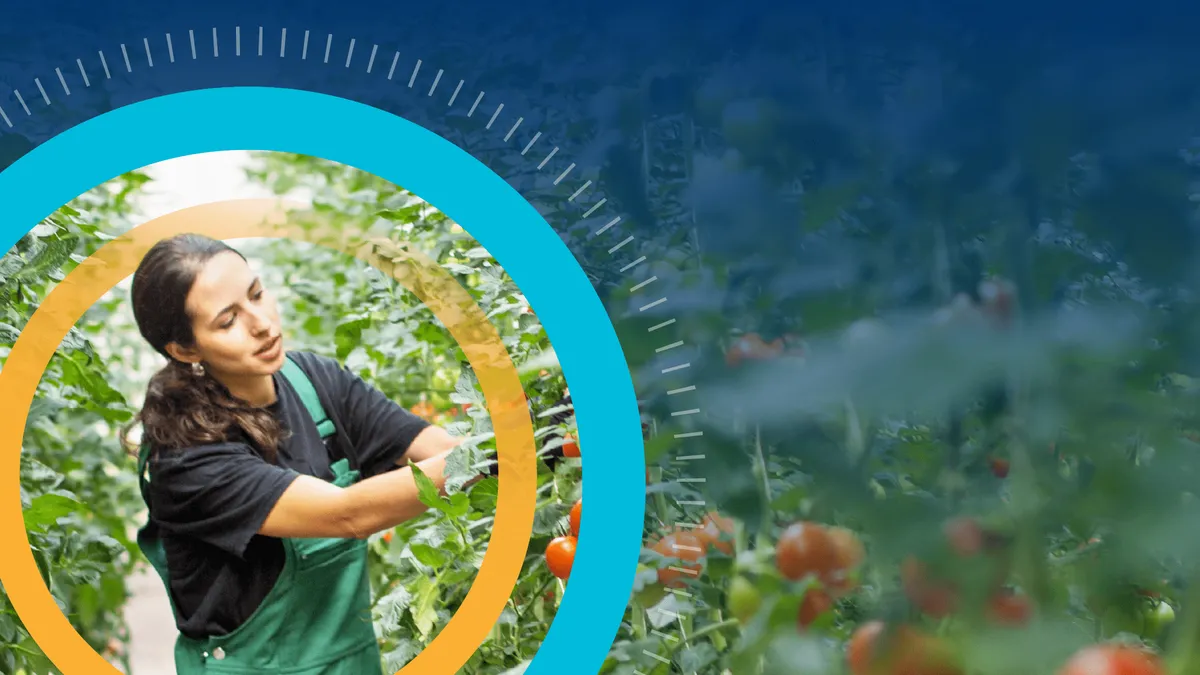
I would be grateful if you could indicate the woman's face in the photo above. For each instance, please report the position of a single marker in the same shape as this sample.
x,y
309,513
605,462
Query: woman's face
x,y
235,321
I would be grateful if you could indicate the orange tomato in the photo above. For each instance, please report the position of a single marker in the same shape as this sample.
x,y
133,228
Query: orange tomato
x,y
716,531
964,535
999,467
571,447
752,347
816,602
424,410
903,651
1113,659
934,598
850,554
679,548
576,513
805,548
560,556
1010,609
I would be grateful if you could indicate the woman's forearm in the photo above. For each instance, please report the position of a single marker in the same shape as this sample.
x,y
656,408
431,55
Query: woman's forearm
x,y
389,499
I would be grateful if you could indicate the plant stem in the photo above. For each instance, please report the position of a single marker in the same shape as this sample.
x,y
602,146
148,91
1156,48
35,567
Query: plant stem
x,y
767,520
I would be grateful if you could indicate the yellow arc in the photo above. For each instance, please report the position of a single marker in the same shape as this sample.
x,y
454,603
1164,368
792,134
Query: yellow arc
x,y
268,218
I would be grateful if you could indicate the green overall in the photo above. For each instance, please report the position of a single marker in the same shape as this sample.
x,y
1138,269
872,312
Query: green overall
x,y
316,620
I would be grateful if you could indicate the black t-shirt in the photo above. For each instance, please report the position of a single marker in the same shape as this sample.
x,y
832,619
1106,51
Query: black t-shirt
x,y
210,501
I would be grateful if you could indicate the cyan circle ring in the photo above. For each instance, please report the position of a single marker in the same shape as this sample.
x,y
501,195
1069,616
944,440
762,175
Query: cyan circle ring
x,y
287,120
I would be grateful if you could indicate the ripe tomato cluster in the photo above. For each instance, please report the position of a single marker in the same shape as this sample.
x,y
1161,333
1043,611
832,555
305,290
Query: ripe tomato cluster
x,y
685,549
829,555
560,553
752,347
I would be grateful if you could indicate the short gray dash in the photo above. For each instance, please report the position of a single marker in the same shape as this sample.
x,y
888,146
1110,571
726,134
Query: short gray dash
x,y
371,61
563,175
395,60
531,142
282,43
643,284
681,390
192,40
656,657
455,94
436,78
513,129
4,115
413,78
350,53
475,104
597,205
149,56
170,49
579,191
304,49
216,53
664,636
675,368
652,305
237,40
690,434
104,62
610,223
260,40
21,100
63,81
125,53
624,241
690,480
681,413
547,159
83,72
690,503
689,458
633,264
328,46
664,324
494,116
673,345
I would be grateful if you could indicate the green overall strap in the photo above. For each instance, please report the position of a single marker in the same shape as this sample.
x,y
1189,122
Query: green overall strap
x,y
304,387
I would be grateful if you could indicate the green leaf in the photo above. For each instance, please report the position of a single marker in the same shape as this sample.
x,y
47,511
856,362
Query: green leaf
x,y
427,491
46,509
424,611
428,555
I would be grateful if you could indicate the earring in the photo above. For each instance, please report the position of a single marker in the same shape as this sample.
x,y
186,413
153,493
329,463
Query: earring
x,y
197,369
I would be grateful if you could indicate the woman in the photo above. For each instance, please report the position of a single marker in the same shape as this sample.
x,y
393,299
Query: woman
x,y
258,524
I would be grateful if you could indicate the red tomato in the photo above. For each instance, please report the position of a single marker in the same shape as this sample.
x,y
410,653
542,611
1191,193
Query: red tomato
x,y
999,467
903,651
816,602
679,547
850,554
964,535
805,548
560,555
716,531
1010,609
576,512
571,447
1113,659
934,598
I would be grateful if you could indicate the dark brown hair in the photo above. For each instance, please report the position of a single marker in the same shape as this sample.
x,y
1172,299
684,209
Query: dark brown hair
x,y
183,409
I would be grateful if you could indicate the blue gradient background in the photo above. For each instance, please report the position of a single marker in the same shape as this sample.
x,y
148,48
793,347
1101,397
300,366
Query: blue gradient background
x,y
1131,64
